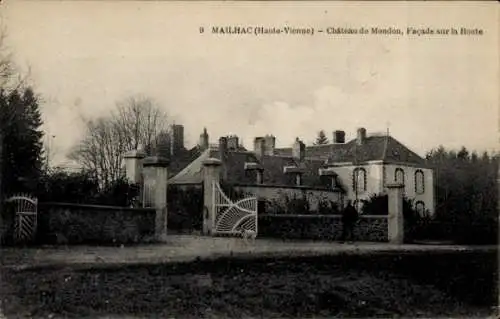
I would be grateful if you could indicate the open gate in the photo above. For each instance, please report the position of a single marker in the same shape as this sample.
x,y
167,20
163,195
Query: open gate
x,y
25,222
232,218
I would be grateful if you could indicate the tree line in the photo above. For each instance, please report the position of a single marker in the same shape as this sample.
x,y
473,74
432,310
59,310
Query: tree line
x,y
466,185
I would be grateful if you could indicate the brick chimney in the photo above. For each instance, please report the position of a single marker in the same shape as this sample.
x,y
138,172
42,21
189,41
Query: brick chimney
x,y
232,142
203,144
223,155
361,137
270,144
298,150
177,140
259,146
338,137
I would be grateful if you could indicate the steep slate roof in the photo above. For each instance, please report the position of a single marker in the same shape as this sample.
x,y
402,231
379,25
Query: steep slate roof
x,y
184,157
193,172
375,148
187,167
235,166
179,161
316,152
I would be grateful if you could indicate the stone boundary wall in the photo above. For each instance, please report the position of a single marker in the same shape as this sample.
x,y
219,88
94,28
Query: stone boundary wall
x,y
321,227
65,223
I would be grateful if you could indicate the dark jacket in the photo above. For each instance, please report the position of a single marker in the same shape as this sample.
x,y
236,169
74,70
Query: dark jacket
x,y
349,215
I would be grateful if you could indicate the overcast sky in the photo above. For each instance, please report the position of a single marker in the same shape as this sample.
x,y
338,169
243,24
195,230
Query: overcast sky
x,y
435,90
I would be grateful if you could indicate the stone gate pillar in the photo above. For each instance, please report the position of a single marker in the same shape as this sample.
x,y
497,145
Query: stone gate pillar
x,y
211,174
395,222
156,174
133,165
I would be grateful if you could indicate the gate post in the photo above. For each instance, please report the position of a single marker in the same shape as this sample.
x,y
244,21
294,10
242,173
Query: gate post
x,y
156,169
211,174
395,221
133,165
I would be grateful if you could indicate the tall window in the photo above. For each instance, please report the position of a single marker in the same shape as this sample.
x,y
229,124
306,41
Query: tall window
x,y
359,179
419,182
399,176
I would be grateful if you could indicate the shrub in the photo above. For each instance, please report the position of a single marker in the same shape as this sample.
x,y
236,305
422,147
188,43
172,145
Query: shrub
x,y
69,187
376,205
83,188
296,205
119,193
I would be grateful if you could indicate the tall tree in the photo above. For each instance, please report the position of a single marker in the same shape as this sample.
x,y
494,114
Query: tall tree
x,y
139,120
135,123
466,187
22,152
321,139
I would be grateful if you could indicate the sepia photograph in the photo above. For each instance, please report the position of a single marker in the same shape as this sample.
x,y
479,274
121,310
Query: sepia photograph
x,y
249,159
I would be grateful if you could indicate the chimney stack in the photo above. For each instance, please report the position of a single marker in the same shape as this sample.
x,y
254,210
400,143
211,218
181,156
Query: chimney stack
x,y
203,144
223,155
270,144
299,150
232,142
259,146
338,137
177,140
361,135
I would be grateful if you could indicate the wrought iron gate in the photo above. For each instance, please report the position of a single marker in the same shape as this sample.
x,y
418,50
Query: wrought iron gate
x,y
232,218
25,223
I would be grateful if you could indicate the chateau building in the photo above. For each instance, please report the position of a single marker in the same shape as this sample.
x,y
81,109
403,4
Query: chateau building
x,y
360,167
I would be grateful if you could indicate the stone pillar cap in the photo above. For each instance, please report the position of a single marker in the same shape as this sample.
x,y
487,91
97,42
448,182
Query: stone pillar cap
x,y
212,162
395,185
135,154
156,161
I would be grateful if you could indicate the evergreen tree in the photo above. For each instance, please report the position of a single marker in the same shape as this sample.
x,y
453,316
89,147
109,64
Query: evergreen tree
x,y
321,139
466,186
22,156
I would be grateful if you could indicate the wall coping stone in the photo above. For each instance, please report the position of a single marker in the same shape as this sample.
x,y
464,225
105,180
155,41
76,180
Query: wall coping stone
x,y
156,161
97,207
321,216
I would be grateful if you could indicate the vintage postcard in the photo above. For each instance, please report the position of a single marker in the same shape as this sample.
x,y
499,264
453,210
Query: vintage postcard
x,y
206,159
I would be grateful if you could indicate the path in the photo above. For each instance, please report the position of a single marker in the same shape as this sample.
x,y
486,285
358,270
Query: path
x,y
185,248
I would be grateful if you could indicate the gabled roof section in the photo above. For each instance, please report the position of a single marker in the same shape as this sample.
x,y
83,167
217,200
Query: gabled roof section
x,y
374,148
274,175
273,169
236,173
316,152
235,167
193,172
182,159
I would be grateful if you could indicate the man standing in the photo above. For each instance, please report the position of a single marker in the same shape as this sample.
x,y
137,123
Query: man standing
x,y
349,219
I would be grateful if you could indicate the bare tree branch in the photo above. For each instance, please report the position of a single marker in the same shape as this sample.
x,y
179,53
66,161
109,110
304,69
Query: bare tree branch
x,y
10,76
137,121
